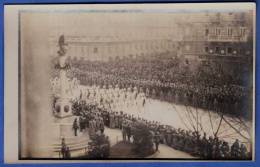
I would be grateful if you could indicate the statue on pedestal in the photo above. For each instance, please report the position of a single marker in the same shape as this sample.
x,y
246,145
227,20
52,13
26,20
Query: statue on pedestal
x,y
63,104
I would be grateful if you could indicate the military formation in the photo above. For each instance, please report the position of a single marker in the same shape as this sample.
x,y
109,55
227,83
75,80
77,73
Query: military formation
x,y
94,115
170,80
114,92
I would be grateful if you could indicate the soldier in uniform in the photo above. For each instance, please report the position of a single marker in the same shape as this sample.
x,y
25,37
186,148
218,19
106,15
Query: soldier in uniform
x,y
157,140
120,120
128,131
216,149
102,126
91,128
154,93
67,153
81,123
174,139
116,120
177,97
112,120
168,136
147,92
203,146
124,129
63,148
210,148
75,127
243,151
224,150
235,150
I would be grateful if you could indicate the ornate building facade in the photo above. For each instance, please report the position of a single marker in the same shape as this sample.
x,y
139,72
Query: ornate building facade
x,y
200,37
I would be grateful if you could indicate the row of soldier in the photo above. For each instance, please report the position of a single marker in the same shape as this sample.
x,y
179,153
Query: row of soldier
x,y
188,141
114,98
89,118
206,88
224,99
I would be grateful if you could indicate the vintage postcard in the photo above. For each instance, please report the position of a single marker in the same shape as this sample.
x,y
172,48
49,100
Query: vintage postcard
x,y
129,82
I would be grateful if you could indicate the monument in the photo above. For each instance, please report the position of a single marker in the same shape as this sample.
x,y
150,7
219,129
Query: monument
x,y
63,104
63,115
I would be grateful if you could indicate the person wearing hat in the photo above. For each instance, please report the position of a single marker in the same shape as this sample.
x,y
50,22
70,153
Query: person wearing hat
x,y
157,140
63,148
75,127
129,130
102,125
243,151
112,120
124,129
235,150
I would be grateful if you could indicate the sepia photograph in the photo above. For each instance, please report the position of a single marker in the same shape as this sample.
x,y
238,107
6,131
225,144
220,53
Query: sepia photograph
x,y
134,82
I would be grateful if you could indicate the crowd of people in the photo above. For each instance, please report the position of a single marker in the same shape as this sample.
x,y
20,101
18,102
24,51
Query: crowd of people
x,y
192,142
171,80
124,82
90,120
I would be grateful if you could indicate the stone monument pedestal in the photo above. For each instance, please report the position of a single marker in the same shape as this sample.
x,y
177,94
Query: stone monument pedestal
x,y
63,108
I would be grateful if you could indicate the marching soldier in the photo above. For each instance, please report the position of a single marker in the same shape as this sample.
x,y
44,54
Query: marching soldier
x,y
120,119
124,130
91,128
112,120
116,120
101,125
128,131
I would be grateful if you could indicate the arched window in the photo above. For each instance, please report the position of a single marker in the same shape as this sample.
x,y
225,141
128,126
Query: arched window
x,y
57,108
66,108
206,31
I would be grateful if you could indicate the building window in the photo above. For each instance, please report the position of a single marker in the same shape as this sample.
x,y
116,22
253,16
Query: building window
x,y
66,108
229,50
217,49
206,32
57,108
206,49
230,31
218,31
243,31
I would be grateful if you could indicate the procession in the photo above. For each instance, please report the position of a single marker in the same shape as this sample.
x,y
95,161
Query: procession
x,y
176,88
100,108
159,99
